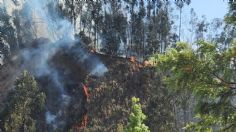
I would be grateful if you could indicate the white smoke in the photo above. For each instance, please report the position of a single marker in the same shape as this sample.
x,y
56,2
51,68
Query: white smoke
x,y
1,59
43,15
10,6
50,118
99,70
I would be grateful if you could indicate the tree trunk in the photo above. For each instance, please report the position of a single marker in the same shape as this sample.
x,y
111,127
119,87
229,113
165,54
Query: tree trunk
x,y
180,22
143,43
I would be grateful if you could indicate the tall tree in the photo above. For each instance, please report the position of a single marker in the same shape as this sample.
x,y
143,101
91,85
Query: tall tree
x,y
26,102
201,28
180,5
158,31
193,23
97,19
131,6
73,9
113,28
138,29
8,39
231,16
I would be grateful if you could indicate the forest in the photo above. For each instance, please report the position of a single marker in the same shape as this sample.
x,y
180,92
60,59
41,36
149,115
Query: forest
x,y
116,66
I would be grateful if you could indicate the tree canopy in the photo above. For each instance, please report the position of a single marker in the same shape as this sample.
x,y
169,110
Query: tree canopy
x,y
208,73
26,102
231,16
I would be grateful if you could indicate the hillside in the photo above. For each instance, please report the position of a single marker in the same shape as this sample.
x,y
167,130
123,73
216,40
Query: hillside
x,y
117,66
124,80
108,103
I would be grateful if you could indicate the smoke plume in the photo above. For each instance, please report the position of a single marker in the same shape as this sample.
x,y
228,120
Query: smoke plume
x,y
46,22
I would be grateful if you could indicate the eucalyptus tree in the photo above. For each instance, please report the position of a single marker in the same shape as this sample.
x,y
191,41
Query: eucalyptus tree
x,y
180,4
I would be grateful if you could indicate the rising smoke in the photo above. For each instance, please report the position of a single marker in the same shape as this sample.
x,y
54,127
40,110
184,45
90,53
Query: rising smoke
x,y
60,35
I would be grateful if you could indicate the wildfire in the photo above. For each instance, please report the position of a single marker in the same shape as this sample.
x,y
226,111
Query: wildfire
x,y
133,59
84,121
147,63
85,90
137,64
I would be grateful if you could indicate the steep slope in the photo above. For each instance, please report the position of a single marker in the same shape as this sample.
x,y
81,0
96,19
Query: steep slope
x,y
108,102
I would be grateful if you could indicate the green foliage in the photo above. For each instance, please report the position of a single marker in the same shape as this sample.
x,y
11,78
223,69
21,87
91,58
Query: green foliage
x,y
209,74
25,103
231,16
136,118
7,33
120,128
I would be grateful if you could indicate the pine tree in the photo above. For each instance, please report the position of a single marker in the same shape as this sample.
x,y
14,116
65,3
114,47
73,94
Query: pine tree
x,y
26,102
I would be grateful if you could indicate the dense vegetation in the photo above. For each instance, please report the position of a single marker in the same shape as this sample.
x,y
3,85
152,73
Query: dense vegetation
x,y
208,73
180,86
25,106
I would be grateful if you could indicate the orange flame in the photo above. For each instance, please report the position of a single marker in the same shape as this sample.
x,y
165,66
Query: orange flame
x,y
133,59
147,63
82,124
85,90
85,120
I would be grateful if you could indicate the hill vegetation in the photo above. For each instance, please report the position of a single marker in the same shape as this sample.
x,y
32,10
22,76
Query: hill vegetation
x,y
102,66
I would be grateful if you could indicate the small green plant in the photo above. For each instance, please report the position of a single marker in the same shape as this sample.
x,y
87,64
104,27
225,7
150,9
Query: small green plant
x,y
136,118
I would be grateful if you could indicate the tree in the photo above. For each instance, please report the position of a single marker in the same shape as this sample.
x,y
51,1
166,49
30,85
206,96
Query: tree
x,y
180,5
97,19
113,27
136,118
231,16
26,102
210,75
8,40
229,33
131,4
110,40
159,24
193,23
72,10
201,27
